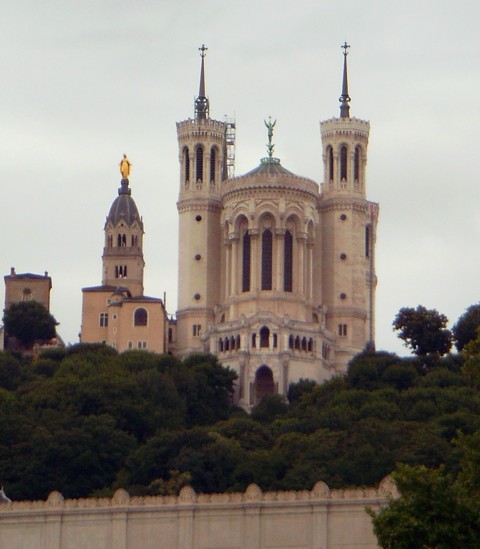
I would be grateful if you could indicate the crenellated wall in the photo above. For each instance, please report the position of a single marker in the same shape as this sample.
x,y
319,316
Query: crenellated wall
x,y
316,519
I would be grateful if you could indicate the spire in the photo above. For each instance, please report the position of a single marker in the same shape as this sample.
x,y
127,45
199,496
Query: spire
x,y
345,98
201,102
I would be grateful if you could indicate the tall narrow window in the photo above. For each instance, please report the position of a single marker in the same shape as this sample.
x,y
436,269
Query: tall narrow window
x,y
199,162
367,241
288,262
213,159
246,263
26,294
343,163
356,164
267,259
140,317
186,162
103,320
264,337
330,163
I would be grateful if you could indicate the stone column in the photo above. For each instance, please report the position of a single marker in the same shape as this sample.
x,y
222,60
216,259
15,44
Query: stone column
x,y
255,260
234,263
228,260
185,529
119,530
310,244
53,531
280,246
301,240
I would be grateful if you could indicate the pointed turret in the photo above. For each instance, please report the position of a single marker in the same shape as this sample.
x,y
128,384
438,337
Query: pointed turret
x,y
345,98
201,102
202,150
349,226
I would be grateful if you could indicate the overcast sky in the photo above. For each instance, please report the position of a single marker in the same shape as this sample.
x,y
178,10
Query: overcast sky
x,y
84,81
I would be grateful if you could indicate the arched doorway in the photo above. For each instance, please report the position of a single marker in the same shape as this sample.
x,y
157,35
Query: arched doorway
x,y
264,384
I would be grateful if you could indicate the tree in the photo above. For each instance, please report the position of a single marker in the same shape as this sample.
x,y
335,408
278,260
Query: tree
x,y
430,513
423,330
466,328
29,322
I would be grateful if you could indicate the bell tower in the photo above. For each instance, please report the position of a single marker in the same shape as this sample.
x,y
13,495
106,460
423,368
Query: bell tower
x,y
348,229
202,154
122,257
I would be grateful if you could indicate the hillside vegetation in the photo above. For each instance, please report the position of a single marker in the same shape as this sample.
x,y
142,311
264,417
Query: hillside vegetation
x,y
87,420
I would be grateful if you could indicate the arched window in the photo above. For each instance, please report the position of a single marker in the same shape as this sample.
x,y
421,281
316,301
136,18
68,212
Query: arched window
x,y
304,344
254,340
134,240
186,163
220,345
330,163
267,259
246,263
26,294
227,344
237,341
121,240
290,342
275,341
199,163
120,271
288,262
140,317
110,241
343,163
310,345
213,159
232,343
297,343
264,337
356,164
264,384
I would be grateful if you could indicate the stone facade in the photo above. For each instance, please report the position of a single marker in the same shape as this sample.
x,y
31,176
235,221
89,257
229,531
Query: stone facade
x,y
27,287
276,272
316,519
116,312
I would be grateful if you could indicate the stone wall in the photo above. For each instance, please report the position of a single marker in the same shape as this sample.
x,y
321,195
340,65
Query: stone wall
x,y
316,519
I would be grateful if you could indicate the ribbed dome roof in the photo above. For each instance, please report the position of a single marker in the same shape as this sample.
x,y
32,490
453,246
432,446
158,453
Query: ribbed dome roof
x,y
124,208
269,166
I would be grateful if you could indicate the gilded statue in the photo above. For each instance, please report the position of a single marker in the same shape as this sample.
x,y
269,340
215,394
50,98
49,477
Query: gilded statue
x,y
125,167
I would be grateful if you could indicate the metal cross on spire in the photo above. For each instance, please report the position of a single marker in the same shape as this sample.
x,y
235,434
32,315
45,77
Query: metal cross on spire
x,y
201,103
345,98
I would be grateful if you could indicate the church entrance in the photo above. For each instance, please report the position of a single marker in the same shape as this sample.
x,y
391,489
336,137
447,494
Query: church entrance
x,y
264,384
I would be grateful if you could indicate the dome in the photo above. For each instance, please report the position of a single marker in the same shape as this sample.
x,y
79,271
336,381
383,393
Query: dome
x,y
124,208
267,175
269,166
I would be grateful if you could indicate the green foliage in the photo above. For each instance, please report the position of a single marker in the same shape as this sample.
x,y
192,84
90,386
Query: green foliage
x,y
432,512
466,327
298,389
423,330
29,322
88,420
269,408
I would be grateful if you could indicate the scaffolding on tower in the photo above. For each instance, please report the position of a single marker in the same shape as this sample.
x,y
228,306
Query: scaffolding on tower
x,y
230,128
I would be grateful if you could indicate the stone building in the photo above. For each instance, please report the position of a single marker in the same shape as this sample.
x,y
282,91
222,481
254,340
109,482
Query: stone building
x,y
20,287
117,312
276,272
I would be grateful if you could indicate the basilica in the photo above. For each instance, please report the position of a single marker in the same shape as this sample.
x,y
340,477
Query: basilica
x,y
276,273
